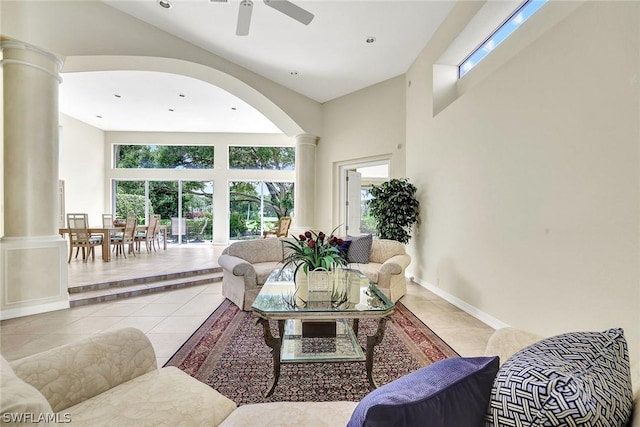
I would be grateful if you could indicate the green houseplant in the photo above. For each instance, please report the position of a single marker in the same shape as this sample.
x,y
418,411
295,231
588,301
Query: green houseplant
x,y
395,209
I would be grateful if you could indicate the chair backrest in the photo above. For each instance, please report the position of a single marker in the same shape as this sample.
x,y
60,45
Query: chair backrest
x,y
283,226
151,227
78,224
157,227
107,220
130,228
178,226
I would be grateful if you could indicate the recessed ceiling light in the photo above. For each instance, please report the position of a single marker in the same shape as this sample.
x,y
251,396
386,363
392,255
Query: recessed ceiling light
x,y
165,3
294,73
99,117
170,109
116,95
234,108
371,40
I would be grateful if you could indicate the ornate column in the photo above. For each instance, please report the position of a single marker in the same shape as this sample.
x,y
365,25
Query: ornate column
x,y
33,255
305,188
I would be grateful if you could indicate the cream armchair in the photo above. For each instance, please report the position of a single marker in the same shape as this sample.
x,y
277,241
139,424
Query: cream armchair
x,y
388,261
246,265
108,379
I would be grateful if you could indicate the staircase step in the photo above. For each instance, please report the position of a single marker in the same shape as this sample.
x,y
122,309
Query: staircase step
x,y
112,293
142,280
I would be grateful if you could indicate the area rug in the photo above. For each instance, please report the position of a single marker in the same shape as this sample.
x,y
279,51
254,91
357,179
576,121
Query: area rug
x,y
228,353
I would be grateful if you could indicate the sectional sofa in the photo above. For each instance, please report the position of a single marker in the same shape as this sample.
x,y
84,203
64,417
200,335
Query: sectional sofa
x,y
112,379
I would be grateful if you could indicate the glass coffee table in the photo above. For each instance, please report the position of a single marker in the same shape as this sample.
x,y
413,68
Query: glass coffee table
x,y
317,329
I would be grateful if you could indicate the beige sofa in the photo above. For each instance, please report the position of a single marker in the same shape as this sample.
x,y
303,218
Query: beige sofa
x,y
109,379
247,264
112,379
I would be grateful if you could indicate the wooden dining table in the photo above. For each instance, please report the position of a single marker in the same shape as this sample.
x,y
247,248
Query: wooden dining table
x,y
106,236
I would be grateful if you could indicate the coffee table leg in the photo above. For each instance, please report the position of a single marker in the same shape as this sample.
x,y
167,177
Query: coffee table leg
x,y
373,341
356,325
275,344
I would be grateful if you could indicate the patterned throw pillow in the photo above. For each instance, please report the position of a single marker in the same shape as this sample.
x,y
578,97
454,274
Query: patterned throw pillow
x,y
360,249
579,378
450,392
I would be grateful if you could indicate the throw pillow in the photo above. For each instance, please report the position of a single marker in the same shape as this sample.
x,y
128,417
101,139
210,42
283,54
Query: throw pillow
x,y
344,247
451,392
579,378
360,249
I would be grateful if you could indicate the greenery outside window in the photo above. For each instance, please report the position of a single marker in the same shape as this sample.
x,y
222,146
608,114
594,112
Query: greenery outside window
x,y
256,206
266,158
164,156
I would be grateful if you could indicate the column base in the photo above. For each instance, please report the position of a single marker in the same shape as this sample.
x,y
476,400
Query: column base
x,y
34,276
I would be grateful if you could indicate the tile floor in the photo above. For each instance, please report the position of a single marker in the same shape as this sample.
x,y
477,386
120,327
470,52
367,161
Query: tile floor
x,y
169,318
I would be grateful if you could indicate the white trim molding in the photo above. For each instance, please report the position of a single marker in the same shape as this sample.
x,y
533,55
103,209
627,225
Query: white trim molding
x,y
462,305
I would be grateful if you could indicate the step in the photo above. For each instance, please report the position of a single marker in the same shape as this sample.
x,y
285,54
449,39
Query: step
x,y
142,280
120,292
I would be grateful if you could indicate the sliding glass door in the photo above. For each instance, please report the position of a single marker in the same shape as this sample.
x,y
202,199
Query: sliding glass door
x,y
185,207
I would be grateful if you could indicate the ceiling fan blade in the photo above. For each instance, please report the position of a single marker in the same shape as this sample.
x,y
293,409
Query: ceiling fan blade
x,y
291,10
244,17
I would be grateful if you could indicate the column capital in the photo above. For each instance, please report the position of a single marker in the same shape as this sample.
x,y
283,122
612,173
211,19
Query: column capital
x,y
306,138
52,63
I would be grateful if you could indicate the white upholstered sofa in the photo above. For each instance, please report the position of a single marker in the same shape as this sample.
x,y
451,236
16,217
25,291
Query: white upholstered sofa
x,y
112,379
247,264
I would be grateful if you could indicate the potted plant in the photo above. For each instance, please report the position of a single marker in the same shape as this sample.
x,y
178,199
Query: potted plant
x,y
311,250
395,209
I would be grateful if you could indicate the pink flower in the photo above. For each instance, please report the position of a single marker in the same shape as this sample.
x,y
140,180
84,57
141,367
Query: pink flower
x,y
307,234
302,237
311,244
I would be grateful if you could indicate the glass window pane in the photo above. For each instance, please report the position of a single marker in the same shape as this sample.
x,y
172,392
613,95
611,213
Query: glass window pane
x,y
505,30
164,156
271,158
197,209
256,206
130,198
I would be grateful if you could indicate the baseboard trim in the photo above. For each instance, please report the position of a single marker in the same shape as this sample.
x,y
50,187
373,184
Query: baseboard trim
x,y
33,309
462,305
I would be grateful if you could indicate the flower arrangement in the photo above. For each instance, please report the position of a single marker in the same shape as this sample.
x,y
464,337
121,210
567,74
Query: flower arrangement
x,y
312,250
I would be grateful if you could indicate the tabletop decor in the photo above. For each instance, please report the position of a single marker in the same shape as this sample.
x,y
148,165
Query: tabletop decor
x,y
311,251
314,257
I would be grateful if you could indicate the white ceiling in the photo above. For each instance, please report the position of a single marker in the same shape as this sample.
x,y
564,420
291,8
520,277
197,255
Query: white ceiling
x,y
330,58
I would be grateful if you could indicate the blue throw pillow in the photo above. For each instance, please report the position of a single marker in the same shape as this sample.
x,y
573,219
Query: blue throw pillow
x,y
451,392
344,247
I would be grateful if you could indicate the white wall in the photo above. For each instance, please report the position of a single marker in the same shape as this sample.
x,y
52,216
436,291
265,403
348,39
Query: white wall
x,y
529,181
366,124
82,168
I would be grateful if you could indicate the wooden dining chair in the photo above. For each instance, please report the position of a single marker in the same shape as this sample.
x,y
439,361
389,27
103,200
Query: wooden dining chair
x,y
146,236
282,229
155,237
128,237
80,237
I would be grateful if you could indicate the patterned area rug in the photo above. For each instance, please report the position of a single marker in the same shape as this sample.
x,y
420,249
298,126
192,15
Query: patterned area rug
x,y
228,353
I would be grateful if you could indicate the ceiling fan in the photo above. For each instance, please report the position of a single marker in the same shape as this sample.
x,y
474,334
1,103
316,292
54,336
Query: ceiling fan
x,y
283,6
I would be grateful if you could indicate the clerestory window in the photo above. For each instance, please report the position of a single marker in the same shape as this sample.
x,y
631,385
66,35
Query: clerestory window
x,y
516,19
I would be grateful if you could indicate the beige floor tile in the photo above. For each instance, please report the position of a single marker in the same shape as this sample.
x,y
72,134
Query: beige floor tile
x,y
118,309
204,304
144,323
178,324
157,309
88,325
166,344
